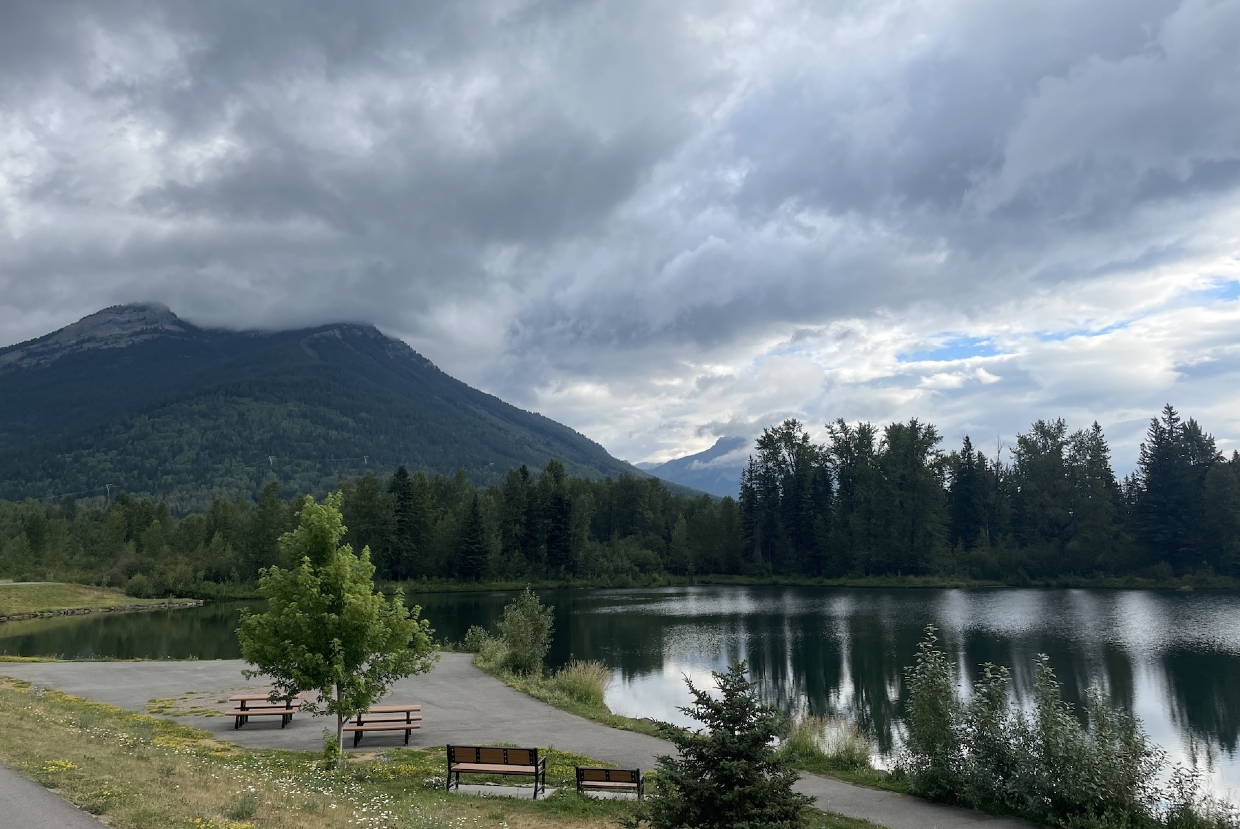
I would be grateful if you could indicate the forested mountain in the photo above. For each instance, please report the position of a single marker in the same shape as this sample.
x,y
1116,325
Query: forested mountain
x,y
714,470
134,397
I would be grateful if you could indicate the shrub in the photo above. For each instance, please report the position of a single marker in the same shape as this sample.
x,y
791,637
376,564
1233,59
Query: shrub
x,y
139,587
492,655
728,774
526,629
475,638
583,682
1048,764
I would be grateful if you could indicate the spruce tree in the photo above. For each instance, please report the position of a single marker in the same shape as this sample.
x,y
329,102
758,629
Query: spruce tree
x,y
471,550
728,773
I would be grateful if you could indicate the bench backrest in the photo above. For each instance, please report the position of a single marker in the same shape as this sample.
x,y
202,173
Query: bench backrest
x,y
588,775
493,755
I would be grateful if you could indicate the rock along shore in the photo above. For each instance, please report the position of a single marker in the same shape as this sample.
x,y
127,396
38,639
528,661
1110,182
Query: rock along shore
x,y
82,611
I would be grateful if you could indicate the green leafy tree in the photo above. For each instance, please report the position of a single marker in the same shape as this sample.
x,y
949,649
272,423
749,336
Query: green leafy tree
x,y
728,773
526,629
326,629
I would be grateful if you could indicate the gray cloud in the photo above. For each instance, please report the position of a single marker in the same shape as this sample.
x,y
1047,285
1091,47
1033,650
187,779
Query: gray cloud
x,y
657,222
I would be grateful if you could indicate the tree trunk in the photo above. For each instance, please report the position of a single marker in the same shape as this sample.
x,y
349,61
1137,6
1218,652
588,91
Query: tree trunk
x,y
339,731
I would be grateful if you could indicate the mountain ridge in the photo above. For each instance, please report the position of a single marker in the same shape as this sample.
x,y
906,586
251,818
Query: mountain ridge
x,y
137,397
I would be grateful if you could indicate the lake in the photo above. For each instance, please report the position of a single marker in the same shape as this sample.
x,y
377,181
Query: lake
x,y
1171,657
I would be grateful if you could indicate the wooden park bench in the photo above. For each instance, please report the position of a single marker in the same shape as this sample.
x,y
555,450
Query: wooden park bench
x,y
260,705
609,780
386,718
496,760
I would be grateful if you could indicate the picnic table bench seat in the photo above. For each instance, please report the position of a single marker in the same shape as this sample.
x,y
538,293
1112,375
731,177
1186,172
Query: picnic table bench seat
x,y
603,779
496,760
385,718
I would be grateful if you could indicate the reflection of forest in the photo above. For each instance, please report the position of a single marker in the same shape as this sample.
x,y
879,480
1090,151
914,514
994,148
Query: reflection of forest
x,y
207,632
814,650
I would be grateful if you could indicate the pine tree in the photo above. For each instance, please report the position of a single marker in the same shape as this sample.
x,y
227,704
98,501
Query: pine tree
x,y
727,773
1172,467
966,496
471,549
409,525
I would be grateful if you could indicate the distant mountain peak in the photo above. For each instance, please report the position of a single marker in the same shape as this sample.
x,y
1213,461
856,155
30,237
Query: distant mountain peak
x,y
716,470
116,327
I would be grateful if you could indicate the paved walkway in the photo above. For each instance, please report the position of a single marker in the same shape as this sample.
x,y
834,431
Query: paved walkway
x,y
25,803
460,704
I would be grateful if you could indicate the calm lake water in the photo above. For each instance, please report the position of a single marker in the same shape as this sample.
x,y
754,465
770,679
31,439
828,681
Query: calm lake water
x,y
1173,658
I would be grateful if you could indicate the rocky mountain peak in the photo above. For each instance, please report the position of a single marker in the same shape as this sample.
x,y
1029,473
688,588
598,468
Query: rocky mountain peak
x,y
115,327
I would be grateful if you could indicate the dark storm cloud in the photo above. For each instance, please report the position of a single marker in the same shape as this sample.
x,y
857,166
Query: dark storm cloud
x,y
655,208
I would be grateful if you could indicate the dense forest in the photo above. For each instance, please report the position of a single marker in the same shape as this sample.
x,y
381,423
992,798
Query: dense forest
x,y
869,502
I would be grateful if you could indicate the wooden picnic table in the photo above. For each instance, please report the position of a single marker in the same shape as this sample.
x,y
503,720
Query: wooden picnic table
x,y
386,718
266,708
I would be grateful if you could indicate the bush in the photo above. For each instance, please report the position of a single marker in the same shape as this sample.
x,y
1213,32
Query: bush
x,y
492,655
526,629
1047,765
139,587
728,774
583,682
475,638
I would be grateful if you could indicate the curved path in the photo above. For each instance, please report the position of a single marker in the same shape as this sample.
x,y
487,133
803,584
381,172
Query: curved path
x,y
460,704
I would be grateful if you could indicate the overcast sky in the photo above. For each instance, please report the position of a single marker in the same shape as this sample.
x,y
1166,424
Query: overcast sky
x,y
657,222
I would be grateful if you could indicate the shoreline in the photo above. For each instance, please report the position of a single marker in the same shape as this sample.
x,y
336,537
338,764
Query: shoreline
x,y
171,604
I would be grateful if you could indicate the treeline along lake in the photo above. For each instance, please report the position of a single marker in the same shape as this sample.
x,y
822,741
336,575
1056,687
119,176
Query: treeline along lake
x,y
869,502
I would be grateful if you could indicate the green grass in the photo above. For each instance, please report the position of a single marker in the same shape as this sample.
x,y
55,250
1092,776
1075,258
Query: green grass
x,y
143,772
579,689
51,596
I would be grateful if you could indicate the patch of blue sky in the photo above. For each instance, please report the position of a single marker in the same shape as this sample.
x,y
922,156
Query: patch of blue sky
x,y
1060,336
957,348
1224,290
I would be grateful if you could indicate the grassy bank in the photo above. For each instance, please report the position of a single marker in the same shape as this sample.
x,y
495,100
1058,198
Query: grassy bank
x,y
46,597
578,688
142,772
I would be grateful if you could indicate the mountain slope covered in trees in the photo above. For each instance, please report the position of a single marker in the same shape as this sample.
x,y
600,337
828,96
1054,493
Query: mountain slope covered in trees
x,y
137,398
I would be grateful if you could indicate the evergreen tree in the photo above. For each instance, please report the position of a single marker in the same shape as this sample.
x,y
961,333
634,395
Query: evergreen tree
x,y
471,550
728,774
1172,467
410,525
513,500
855,528
269,522
914,506
967,497
370,516
1222,516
